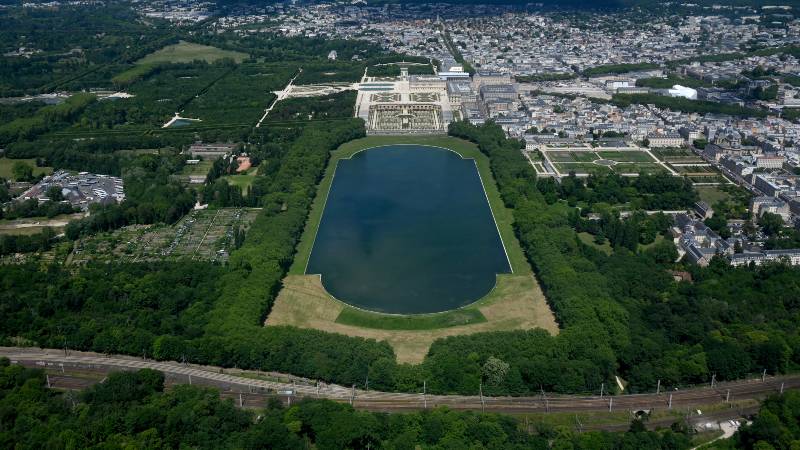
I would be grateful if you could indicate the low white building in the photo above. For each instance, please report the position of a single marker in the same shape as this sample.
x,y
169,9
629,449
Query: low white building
x,y
683,91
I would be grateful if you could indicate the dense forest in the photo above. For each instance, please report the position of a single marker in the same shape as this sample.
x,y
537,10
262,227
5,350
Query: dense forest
x,y
72,47
685,105
134,410
332,106
618,68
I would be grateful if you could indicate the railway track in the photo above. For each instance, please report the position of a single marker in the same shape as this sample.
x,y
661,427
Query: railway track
x,y
253,392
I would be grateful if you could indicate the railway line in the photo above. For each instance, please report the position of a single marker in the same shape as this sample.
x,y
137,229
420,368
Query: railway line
x,y
78,370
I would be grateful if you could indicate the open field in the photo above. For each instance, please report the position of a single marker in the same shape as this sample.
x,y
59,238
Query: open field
x,y
199,169
187,52
516,302
6,164
640,167
699,170
581,168
597,161
588,239
203,234
618,156
242,180
676,155
33,225
712,194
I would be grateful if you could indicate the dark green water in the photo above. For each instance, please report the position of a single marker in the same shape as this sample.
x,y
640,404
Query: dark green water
x,y
407,229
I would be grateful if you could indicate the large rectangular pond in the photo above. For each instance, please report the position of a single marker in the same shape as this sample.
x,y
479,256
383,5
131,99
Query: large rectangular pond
x,y
407,229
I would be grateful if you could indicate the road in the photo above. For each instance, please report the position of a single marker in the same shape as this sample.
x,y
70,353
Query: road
x,y
233,382
280,96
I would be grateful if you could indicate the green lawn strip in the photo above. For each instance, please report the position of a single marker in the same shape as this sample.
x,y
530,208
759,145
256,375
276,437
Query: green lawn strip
x,y
561,156
626,167
241,181
659,239
188,52
366,319
25,231
583,156
712,194
581,168
588,239
201,168
502,216
135,73
626,156
7,164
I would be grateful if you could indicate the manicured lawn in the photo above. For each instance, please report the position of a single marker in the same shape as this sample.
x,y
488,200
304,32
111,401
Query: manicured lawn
x,y
187,52
659,239
561,156
632,156
712,194
588,239
516,303
584,156
581,168
359,318
638,167
200,168
241,181
6,164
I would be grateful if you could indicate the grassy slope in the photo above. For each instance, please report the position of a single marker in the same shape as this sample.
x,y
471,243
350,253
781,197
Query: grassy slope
x,y
711,194
188,52
360,318
6,164
242,181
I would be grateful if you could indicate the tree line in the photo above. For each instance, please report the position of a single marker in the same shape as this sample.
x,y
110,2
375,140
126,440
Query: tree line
x,y
134,410
686,105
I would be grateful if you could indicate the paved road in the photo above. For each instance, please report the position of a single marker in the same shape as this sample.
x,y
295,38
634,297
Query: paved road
x,y
233,382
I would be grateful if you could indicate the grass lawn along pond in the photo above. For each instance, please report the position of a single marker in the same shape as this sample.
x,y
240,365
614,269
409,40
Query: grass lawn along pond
x,y
516,302
407,229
